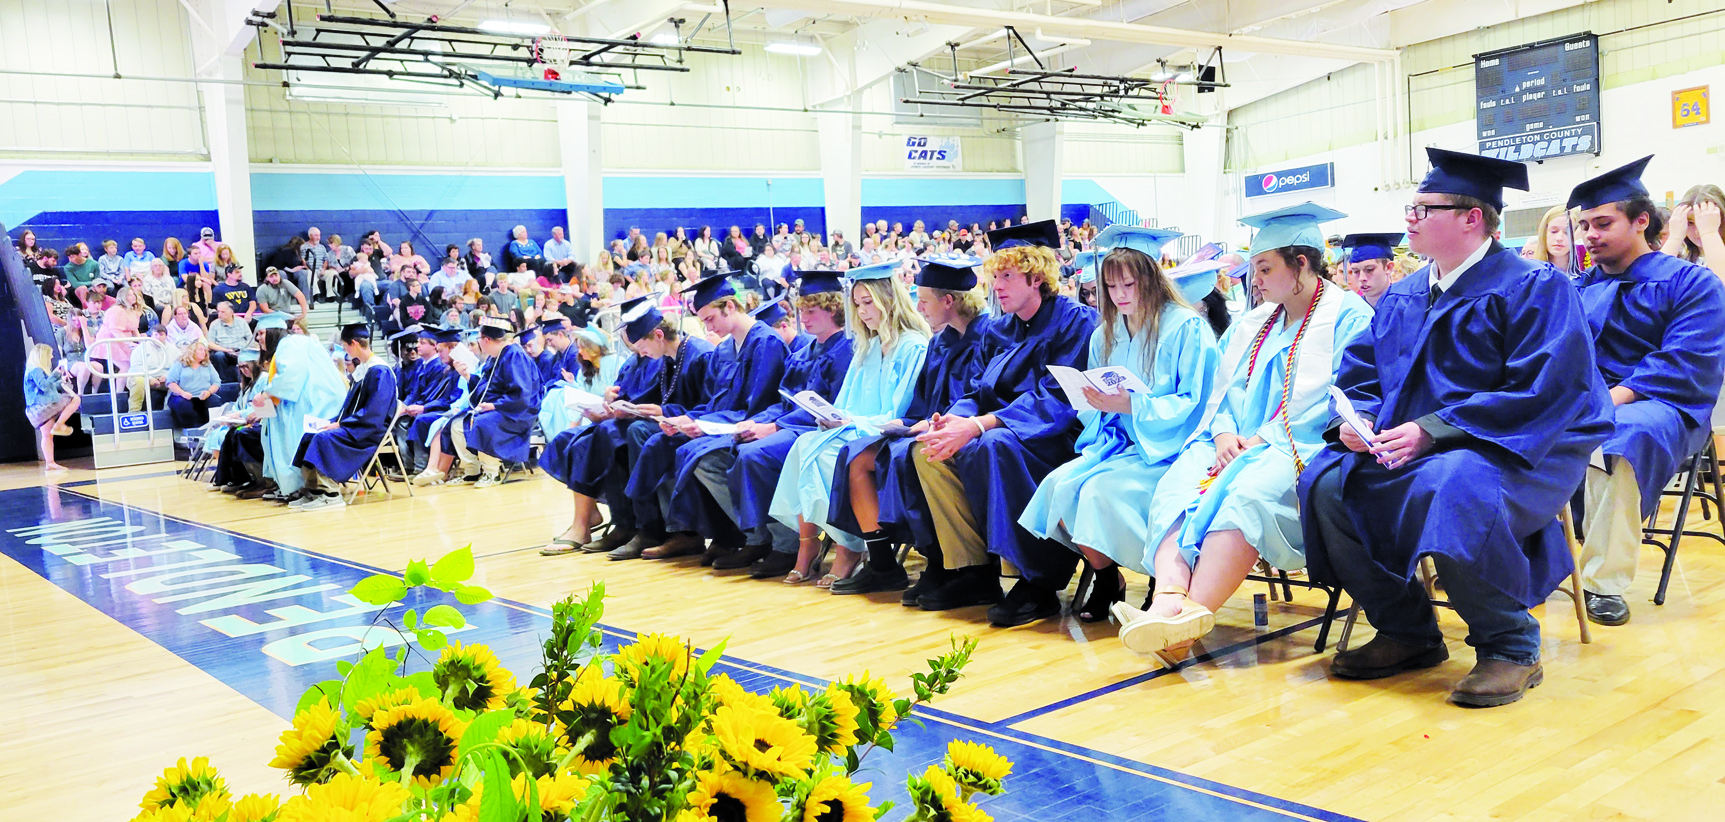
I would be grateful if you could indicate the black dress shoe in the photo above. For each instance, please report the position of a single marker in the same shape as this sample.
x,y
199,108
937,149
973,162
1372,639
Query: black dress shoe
x,y
716,552
931,579
1603,609
1027,602
776,564
868,581
750,555
976,585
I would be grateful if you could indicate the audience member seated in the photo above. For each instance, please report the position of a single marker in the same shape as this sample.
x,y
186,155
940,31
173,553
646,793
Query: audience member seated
x,y
520,248
1698,228
559,257
49,402
228,337
191,382
276,294
339,451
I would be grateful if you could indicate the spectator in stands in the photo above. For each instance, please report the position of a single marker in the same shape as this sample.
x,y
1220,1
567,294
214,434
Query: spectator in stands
x,y
405,259
782,239
45,265
206,242
372,247
191,383
759,239
1552,243
478,262
228,335
706,248
288,257
224,262
451,278
366,285
770,263
27,245
661,262
869,254
159,286
77,355
840,246
59,308
79,271
139,258
96,298
110,266
523,248
181,329
918,234
413,306
638,249
276,294
119,321
48,402
506,302
313,258
197,261
336,262
559,256
1697,228
174,254
470,292
680,244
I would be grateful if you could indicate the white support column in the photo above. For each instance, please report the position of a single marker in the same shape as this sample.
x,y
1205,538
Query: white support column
x,y
583,175
841,170
1043,146
230,158
1208,191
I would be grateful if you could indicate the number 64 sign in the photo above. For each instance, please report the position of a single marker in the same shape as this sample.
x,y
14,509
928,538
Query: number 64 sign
x,y
1689,107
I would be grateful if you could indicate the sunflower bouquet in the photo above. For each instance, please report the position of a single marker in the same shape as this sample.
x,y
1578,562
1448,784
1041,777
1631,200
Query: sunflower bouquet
x,y
649,732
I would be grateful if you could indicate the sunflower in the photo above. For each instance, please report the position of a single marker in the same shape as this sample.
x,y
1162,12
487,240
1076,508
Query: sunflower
x,y
760,741
874,702
170,813
424,733
557,794
726,691
840,730
308,748
962,812
472,678
977,767
184,785
467,811
346,798
394,699
256,808
938,794
733,797
595,706
835,799
648,647
534,743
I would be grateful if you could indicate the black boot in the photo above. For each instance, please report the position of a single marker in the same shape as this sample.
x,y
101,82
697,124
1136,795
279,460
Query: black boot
x,y
718,551
1106,588
975,585
881,572
1027,602
933,576
774,565
742,559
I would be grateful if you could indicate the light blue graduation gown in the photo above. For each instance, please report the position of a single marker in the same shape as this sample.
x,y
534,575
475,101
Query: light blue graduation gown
x,y
555,416
308,384
1255,494
877,391
1101,499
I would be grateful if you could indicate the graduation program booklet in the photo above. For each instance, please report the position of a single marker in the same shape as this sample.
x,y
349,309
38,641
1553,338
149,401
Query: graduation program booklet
x,y
1109,379
627,409
716,429
814,404
1345,410
577,400
315,424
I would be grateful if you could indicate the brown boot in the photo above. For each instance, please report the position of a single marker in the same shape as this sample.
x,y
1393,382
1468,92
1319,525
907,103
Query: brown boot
x,y
681,544
1494,682
1385,657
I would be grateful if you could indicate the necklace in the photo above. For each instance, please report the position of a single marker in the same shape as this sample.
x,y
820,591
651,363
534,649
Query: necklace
x,y
1287,377
672,373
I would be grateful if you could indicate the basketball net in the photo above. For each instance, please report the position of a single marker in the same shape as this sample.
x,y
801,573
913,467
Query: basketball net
x,y
552,51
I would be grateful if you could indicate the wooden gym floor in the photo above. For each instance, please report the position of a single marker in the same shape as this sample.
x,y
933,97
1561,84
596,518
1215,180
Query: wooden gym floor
x,y
104,693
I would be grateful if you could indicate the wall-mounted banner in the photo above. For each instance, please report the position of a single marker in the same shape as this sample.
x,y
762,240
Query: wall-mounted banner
x,y
1689,107
931,154
1304,178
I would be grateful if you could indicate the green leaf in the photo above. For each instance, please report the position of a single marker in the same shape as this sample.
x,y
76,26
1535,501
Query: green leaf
x,y
497,803
329,688
431,639
485,728
410,620
455,566
445,616
707,660
471,595
417,573
379,589
422,682
342,666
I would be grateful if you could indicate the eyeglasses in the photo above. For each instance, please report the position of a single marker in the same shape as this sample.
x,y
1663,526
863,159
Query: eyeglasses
x,y
1421,211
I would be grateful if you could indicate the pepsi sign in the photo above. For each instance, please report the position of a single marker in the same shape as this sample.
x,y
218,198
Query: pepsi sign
x,y
1304,178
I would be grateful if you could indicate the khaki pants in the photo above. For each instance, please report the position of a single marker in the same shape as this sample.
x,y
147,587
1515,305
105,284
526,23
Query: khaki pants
x,y
317,482
955,526
472,462
1613,529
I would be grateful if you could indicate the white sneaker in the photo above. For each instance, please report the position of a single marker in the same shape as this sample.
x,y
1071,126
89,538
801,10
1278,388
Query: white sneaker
x,y
462,479
425,478
320,502
489,480
303,501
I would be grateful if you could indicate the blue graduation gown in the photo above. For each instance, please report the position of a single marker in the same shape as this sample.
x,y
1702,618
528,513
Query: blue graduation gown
x,y
738,382
407,378
583,458
365,414
436,387
821,368
1505,356
511,384
308,384
1659,330
550,365
952,361
802,340
1001,468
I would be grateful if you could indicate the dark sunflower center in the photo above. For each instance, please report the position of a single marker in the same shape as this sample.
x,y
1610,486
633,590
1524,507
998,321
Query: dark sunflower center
x,y
835,812
727,808
599,720
423,739
460,672
762,745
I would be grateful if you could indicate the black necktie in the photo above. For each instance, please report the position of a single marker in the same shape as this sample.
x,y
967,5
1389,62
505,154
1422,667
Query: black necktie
x,y
1437,291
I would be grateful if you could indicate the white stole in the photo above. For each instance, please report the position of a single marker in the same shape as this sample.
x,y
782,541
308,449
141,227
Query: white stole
x,y
1313,372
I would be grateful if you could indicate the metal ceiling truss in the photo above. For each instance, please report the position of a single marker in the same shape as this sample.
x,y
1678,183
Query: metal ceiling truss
x,y
1058,93
463,58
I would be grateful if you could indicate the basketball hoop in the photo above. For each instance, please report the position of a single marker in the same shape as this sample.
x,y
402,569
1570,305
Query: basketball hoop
x,y
552,51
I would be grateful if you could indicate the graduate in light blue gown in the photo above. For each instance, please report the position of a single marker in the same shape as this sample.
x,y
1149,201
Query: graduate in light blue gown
x,y
891,340
598,365
1229,498
1098,504
302,381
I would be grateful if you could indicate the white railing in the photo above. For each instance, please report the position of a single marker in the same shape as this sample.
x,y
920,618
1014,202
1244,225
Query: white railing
x,y
114,379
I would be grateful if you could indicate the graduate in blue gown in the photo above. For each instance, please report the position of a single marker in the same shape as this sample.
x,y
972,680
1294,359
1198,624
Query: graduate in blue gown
x,y
891,341
435,387
980,462
737,473
1478,380
337,454
1229,498
504,407
1658,326
875,493
1099,503
301,381
741,379
587,366
593,461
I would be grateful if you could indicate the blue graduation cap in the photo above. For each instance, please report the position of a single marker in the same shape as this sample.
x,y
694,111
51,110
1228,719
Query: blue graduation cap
x,y
1471,175
274,319
640,316
951,272
445,335
820,282
1147,240
771,312
878,271
408,334
529,334
355,331
1045,233
1087,266
557,324
496,328
470,335
1294,225
1614,186
1372,246
1195,280
709,289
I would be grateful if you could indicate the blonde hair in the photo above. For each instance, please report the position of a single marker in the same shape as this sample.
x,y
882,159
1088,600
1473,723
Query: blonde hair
x,y
188,358
968,304
1696,195
898,315
1155,292
42,356
1038,265
1540,252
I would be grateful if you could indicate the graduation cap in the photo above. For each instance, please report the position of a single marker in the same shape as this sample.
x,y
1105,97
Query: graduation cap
x,y
1087,265
353,332
1294,225
1471,175
408,334
1045,233
951,273
1614,186
496,328
1372,246
249,355
445,335
771,313
821,282
558,324
709,289
1195,280
594,335
529,334
640,316
274,319
878,271
1147,240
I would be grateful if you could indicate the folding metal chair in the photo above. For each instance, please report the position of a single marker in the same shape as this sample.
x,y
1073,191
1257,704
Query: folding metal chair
x,y
373,475
1689,487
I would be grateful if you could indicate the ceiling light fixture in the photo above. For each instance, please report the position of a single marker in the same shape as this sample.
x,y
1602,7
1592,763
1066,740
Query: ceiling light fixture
x,y
796,49
520,27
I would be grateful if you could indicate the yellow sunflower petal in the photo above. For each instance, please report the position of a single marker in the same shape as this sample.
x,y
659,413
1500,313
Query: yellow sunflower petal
x,y
347,799
730,792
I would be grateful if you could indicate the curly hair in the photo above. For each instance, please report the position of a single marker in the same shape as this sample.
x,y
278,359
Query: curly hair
x,y
1036,263
828,301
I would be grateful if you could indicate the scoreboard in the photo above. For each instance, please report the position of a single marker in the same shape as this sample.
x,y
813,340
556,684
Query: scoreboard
x,y
1539,101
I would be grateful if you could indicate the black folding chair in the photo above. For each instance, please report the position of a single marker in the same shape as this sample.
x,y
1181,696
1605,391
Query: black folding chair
x,y
1689,482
